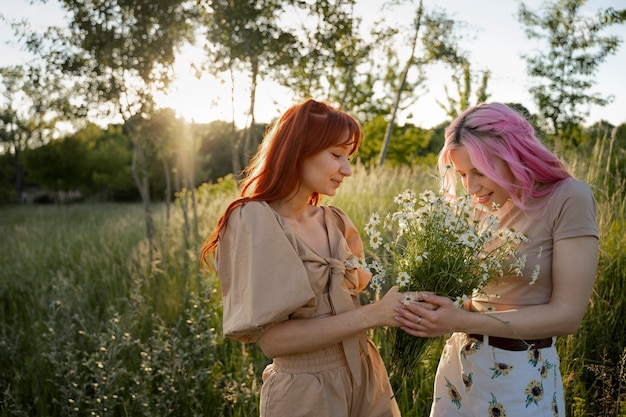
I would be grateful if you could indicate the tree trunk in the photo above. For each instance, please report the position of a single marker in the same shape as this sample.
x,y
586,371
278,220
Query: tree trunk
x,y
192,186
19,177
168,200
233,129
251,131
140,176
409,63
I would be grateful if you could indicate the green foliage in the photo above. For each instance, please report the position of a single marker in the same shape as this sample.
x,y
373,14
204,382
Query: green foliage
x,y
247,36
89,326
464,81
58,165
109,163
573,52
593,360
34,101
119,51
215,150
98,161
7,189
411,145
330,52
93,161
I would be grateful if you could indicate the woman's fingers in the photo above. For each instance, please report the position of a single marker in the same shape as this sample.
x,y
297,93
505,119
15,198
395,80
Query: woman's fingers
x,y
408,316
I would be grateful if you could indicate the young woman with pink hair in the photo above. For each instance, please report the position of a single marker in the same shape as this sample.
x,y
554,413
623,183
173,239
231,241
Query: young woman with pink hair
x,y
501,357
287,266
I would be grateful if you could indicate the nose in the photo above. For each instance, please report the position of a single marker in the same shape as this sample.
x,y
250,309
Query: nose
x,y
472,185
345,169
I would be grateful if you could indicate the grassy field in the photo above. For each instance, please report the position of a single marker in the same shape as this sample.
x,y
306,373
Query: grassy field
x,y
88,327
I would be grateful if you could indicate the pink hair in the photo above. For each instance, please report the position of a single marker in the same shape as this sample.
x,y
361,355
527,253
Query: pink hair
x,y
494,130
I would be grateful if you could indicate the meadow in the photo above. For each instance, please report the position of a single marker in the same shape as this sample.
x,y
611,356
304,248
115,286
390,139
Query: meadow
x,y
90,327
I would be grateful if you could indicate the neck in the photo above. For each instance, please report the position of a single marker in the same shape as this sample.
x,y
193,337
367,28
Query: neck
x,y
292,208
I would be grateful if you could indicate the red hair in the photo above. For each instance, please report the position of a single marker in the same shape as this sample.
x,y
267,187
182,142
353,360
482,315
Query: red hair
x,y
274,172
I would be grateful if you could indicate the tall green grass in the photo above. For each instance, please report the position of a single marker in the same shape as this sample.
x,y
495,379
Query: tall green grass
x,y
89,327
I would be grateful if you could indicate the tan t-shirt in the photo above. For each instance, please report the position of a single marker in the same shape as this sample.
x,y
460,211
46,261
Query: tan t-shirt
x,y
570,212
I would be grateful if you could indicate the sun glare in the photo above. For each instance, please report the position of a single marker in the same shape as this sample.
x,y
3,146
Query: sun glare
x,y
206,99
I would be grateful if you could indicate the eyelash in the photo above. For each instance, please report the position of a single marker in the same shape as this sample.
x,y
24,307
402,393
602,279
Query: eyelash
x,y
341,156
465,175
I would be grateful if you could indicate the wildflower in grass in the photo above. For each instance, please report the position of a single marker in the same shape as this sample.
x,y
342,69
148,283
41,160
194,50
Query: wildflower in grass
x,y
403,279
461,300
372,223
375,284
432,243
375,239
407,299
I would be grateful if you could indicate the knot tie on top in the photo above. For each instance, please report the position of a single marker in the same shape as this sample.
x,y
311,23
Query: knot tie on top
x,y
343,294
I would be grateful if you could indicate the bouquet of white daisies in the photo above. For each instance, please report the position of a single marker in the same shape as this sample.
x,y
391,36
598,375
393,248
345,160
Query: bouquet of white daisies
x,y
433,243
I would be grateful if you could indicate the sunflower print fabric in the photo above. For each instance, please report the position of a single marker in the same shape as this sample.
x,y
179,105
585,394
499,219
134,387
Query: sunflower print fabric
x,y
475,379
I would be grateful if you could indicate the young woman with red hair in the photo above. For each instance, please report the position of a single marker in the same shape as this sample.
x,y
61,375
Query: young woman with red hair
x,y
501,358
287,270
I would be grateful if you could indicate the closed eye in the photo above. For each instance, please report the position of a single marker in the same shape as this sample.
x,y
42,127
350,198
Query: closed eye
x,y
339,156
477,173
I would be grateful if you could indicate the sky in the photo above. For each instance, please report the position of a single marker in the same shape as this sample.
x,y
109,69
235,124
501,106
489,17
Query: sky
x,y
495,41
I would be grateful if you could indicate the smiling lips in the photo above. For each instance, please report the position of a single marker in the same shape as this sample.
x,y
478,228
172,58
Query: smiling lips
x,y
483,199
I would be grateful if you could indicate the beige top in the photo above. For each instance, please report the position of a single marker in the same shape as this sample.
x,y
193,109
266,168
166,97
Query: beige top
x,y
268,275
570,212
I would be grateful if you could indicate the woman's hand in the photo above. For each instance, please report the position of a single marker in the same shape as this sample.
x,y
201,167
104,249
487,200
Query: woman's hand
x,y
385,309
431,316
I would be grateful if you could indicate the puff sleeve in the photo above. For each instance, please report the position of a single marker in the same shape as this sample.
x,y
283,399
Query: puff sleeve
x,y
262,277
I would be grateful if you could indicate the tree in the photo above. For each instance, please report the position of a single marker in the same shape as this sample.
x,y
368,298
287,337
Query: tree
x,y
464,80
438,39
108,162
214,155
245,36
59,166
34,102
564,69
330,52
402,83
412,146
122,51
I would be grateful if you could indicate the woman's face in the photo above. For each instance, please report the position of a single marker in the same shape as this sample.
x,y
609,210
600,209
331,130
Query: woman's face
x,y
484,190
324,171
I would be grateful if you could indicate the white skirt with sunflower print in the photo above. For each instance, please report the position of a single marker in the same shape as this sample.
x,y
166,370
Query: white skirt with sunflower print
x,y
477,380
